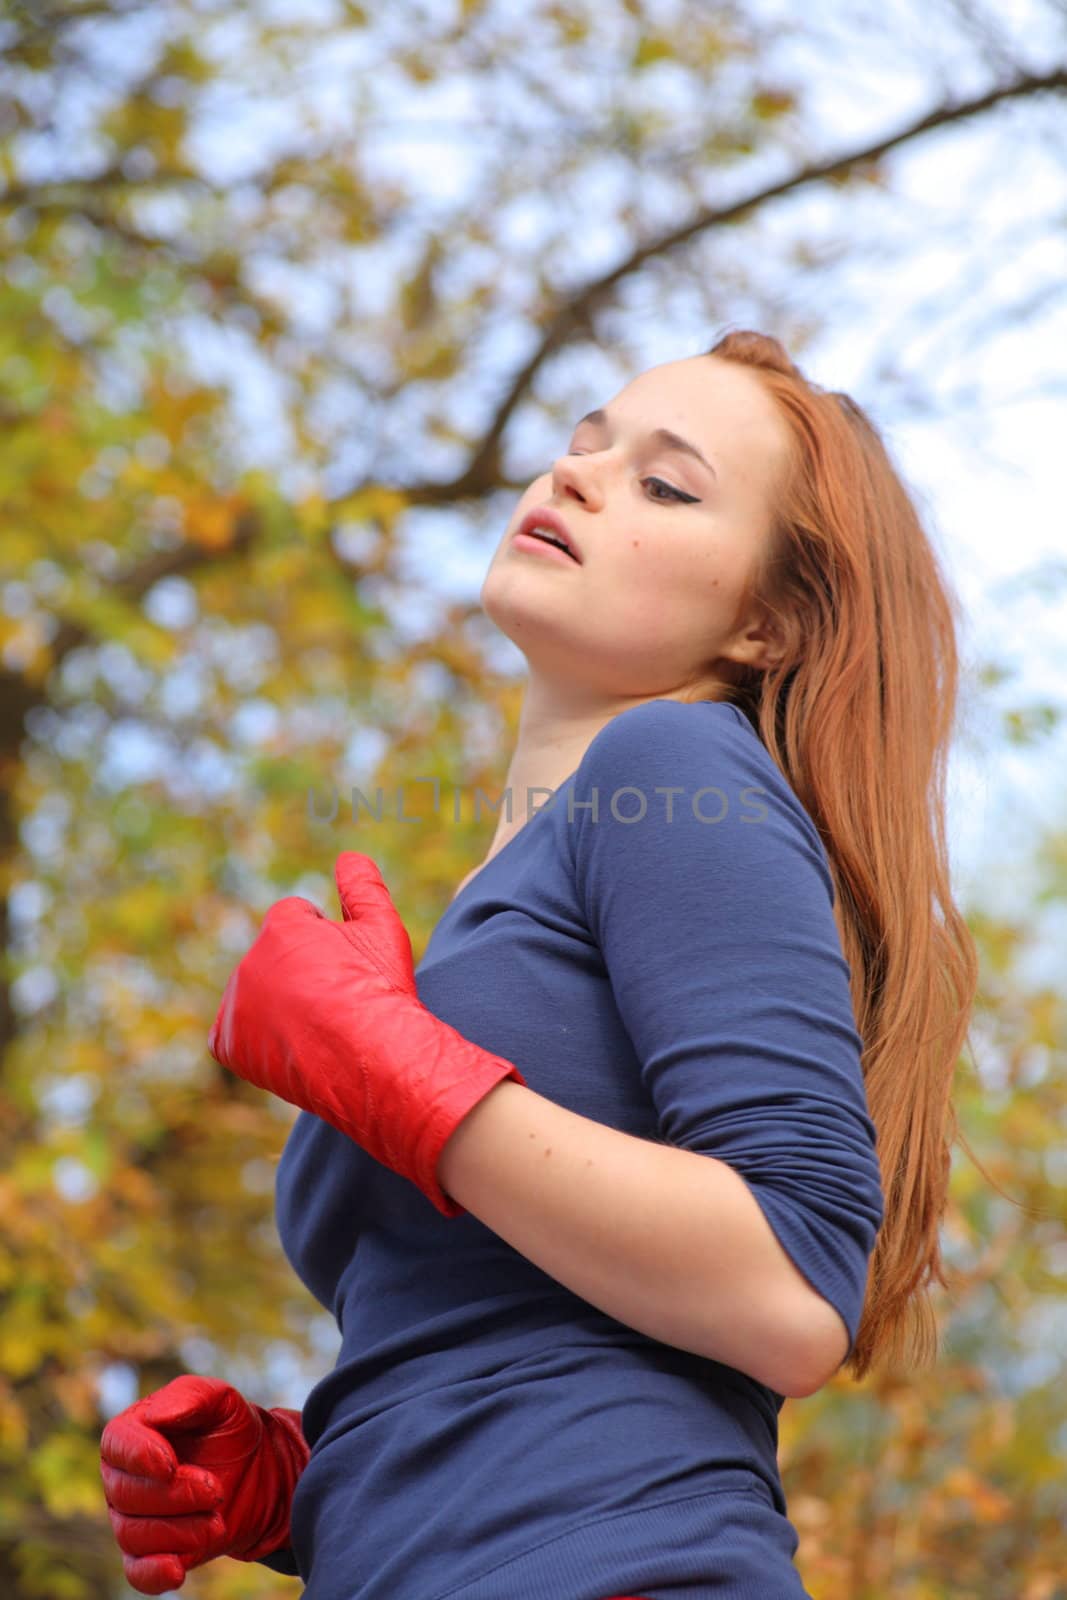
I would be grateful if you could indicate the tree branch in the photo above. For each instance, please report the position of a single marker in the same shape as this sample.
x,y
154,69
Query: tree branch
x,y
483,471
57,191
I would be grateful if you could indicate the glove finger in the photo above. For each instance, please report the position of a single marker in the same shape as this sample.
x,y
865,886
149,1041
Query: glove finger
x,y
221,1037
293,909
282,916
191,1489
154,1574
126,1443
199,1535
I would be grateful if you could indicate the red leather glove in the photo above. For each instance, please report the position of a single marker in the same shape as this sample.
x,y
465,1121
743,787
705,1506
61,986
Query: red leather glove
x,y
326,1015
196,1471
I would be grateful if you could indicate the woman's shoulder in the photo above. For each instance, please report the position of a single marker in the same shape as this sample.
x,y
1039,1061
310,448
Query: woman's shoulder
x,y
686,736
711,756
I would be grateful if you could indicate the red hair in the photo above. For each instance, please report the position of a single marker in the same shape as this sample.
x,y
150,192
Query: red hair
x,y
858,712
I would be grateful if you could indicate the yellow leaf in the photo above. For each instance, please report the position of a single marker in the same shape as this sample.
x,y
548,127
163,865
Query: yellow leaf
x,y
14,1424
376,503
313,515
211,522
67,1471
650,49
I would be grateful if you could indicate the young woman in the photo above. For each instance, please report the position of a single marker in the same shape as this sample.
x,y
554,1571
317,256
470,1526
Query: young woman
x,y
598,1187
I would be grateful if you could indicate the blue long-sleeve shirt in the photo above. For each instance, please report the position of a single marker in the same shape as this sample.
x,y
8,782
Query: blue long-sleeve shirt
x,y
666,964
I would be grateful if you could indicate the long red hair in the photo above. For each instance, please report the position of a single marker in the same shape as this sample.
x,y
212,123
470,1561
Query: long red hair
x,y
858,714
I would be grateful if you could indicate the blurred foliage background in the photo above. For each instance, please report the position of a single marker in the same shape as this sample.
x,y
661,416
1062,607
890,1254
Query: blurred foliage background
x,y
267,398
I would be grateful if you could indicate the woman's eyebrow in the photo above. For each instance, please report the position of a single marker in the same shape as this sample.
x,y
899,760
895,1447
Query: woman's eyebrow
x,y
664,436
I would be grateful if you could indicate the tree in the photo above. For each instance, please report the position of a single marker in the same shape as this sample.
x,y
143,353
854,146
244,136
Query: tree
x,y
198,648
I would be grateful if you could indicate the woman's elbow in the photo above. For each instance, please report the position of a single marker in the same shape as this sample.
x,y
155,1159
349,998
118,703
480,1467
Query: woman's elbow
x,y
818,1356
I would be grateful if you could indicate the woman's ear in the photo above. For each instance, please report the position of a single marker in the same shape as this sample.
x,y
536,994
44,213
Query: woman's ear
x,y
760,641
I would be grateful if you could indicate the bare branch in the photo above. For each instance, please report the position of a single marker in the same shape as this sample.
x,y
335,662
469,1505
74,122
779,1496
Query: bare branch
x,y
483,472
987,31
58,191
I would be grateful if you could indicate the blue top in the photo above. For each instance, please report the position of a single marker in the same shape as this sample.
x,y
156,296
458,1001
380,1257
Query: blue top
x,y
669,965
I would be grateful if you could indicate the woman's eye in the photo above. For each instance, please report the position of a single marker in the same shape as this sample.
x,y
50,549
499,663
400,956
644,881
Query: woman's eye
x,y
672,492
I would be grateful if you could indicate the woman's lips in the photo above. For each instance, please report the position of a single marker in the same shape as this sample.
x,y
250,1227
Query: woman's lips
x,y
541,547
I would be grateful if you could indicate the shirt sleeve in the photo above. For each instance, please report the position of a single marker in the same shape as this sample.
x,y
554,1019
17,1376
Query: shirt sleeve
x,y
707,889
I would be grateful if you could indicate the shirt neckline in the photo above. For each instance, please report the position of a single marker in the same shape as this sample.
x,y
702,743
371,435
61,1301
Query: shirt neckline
x,y
457,897
515,837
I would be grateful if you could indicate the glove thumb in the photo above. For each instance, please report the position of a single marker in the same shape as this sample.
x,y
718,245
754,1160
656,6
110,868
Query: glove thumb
x,y
366,903
186,1402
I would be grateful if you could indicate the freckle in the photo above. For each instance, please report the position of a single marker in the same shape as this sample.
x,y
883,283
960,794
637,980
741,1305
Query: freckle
x,y
548,1151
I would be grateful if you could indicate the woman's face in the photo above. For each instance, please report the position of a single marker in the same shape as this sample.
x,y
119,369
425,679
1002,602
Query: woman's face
x,y
666,542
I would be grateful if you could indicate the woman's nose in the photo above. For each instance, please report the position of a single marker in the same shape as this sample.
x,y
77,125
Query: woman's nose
x,y
575,473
